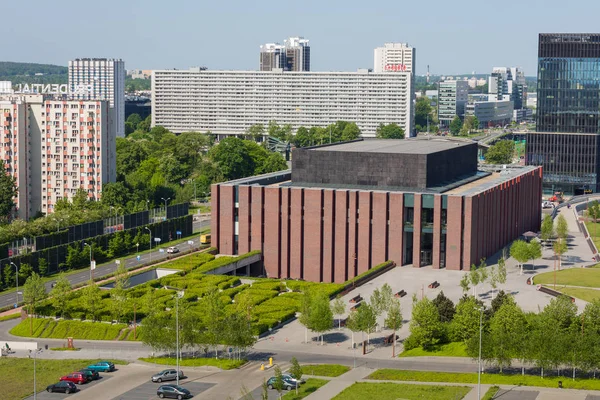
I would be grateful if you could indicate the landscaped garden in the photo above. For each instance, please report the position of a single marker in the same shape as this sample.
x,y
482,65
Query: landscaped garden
x,y
330,370
310,386
394,391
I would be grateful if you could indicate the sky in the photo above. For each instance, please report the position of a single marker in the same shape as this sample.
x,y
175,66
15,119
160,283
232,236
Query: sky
x,y
452,37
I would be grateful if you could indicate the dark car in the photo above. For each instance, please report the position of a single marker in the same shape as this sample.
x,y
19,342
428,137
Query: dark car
x,y
75,377
63,387
167,375
288,384
91,374
102,366
173,392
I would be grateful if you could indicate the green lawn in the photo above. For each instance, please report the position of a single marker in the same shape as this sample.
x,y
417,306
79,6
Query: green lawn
x,y
588,295
10,316
331,370
488,379
311,386
395,391
594,229
454,349
588,277
51,328
20,371
489,395
197,362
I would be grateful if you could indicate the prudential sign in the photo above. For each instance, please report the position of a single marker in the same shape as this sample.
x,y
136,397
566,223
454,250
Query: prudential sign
x,y
38,88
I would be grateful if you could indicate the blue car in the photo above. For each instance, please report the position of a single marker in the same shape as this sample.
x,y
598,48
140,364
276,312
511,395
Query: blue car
x,y
102,366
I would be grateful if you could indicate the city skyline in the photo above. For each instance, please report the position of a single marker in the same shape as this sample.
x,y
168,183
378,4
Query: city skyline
x,y
342,38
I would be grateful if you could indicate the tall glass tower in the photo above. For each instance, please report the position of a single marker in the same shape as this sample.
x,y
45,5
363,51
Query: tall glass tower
x,y
567,141
568,83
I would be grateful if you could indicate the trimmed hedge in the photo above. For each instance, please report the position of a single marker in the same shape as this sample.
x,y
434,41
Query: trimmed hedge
x,y
189,262
49,328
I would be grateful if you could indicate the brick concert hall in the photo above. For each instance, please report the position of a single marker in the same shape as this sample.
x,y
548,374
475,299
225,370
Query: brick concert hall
x,y
347,207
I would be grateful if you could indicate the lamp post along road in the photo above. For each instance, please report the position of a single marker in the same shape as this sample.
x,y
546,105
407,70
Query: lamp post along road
x,y
479,367
178,295
35,353
17,277
148,229
91,267
165,200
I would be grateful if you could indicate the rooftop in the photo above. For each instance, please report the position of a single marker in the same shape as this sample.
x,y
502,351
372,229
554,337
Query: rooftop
x,y
396,146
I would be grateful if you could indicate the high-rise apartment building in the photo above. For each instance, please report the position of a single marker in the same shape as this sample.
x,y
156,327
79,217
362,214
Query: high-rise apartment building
x,y
394,57
452,98
53,147
293,55
566,143
197,100
508,84
105,80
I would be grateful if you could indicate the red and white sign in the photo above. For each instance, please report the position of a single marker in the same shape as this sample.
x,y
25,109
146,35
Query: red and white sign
x,y
395,67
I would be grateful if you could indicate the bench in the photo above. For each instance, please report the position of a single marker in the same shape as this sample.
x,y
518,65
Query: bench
x,y
356,299
389,339
554,293
433,285
400,294
355,307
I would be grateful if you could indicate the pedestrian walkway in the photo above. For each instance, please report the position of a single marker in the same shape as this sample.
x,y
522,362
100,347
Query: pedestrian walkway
x,y
336,385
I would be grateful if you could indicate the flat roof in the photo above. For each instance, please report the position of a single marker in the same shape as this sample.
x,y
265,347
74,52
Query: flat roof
x,y
396,146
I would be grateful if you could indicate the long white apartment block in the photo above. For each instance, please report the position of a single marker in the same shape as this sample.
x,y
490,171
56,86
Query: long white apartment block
x,y
228,102
105,79
53,147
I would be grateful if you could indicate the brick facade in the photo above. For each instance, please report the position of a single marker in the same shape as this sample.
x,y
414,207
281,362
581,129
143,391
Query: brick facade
x,y
331,235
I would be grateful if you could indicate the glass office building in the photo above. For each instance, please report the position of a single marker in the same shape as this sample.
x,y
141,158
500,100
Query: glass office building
x,y
569,83
566,143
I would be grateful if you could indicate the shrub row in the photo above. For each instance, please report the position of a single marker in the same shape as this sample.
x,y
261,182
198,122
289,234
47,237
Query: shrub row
x,y
50,328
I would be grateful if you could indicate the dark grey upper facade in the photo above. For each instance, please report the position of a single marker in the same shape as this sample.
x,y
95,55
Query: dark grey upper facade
x,y
408,163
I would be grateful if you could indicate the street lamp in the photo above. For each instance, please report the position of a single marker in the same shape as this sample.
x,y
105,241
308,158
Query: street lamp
x,y
480,309
17,276
58,221
165,200
148,229
147,205
91,269
35,353
178,295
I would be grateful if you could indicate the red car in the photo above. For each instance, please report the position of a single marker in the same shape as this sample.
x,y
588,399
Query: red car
x,y
75,377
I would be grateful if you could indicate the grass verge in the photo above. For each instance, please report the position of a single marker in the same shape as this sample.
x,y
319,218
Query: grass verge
x,y
197,362
20,371
587,277
10,316
394,391
311,386
454,349
588,295
489,395
65,348
331,370
50,328
487,379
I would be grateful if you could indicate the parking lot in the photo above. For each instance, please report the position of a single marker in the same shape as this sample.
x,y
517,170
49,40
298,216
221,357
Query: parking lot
x,y
257,393
52,396
147,391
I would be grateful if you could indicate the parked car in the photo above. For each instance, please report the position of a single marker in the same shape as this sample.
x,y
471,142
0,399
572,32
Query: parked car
x,y
63,387
547,204
167,375
291,378
173,392
91,374
75,377
287,383
172,250
102,366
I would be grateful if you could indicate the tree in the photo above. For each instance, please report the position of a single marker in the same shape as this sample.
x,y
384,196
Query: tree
x,y
501,270
34,291
134,119
547,228
321,317
381,299
118,293
8,191
158,332
390,131
352,323
535,251
507,329
520,252
25,271
456,125
238,331
233,158
9,275
594,212
562,228
338,308
559,248
305,309
61,294
426,330
214,317
296,371
502,152
278,383
465,324
42,266
394,321
255,132
423,111
91,296
471,123
445,307
366,319
464,283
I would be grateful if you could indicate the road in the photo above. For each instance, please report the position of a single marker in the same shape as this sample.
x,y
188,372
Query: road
x,y
110,267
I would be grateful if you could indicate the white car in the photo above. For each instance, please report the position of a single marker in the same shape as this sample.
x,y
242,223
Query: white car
x,y
547,204
172,250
